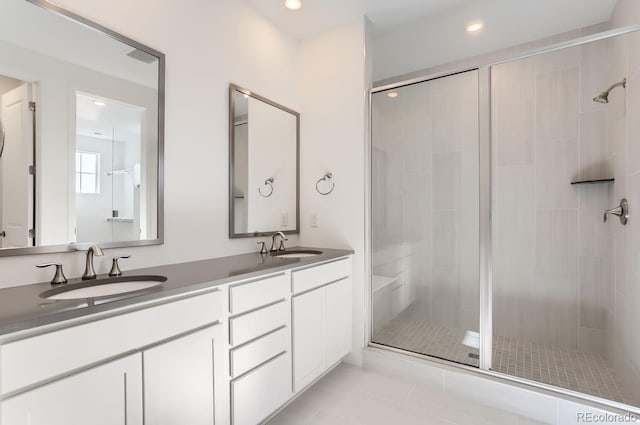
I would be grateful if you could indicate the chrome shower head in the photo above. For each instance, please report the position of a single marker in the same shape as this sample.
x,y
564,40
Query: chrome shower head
x,y
604,96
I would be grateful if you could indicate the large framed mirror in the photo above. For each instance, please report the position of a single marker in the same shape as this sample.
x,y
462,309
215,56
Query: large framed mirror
x,y
264,148
81,125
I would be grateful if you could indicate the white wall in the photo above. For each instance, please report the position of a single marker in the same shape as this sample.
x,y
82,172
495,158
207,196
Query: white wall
x,y
201,62
333,92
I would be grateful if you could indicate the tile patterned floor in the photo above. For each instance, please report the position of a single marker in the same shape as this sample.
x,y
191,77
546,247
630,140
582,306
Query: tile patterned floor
x,y
583,372
353,396
427,338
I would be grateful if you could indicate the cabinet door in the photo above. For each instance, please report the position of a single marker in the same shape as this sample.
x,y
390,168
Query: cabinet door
x,y
110,394
180,380
338,321
308,337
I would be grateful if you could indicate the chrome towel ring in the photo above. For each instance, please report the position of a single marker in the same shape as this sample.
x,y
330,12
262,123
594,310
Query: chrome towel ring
x,y
267,182
327,176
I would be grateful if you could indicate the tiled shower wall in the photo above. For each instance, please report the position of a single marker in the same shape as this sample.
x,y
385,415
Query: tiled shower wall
x,y
552,260
623,118
561,276
425,200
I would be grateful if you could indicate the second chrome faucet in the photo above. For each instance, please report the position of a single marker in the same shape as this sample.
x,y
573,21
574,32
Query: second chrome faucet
x,y
274,240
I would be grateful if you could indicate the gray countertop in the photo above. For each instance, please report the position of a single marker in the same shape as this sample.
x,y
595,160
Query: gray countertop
x,y
22,308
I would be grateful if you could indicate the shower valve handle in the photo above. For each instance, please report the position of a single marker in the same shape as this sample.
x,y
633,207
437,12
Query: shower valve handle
x,y
621,211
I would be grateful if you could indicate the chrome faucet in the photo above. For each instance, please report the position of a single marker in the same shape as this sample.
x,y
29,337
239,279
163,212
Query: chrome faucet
x,y
89,271
274,238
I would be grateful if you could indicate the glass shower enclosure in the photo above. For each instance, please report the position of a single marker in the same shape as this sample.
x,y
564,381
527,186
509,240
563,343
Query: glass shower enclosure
x,y
425,200
488,193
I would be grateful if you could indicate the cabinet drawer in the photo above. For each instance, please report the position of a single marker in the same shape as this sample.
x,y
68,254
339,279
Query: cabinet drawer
x,y
251,355
261,392
248,296
304,280
252,325
31,360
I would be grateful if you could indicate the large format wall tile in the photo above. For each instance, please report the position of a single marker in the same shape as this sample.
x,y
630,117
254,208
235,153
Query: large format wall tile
x,y
594,146
594,278
595,74
446,104
594,233
561,309
514,198
557,105
556,168
447,181
557,243
513,109
543,225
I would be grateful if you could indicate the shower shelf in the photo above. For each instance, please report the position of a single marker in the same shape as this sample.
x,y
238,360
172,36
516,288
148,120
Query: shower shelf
x,y
600,181
120,220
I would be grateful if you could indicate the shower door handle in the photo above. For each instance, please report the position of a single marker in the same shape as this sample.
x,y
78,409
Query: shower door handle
x,y
621,211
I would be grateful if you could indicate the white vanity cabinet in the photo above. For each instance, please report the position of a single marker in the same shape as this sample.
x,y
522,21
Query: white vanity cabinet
x,y
233,354
168,361
321,319
180,379
110,394
260,348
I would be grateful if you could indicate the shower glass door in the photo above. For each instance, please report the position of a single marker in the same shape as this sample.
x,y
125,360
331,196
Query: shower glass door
x,y
565,293
425,226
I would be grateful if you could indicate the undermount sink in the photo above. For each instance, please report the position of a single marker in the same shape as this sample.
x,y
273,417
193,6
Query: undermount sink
x,y
106,287
298,253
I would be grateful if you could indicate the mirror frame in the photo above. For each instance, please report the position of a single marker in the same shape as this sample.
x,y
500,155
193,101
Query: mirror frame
x,y
233,88
159,240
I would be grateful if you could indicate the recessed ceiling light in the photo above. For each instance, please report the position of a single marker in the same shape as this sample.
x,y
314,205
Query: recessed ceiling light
x,y
98,103
293,4
475,27
392,94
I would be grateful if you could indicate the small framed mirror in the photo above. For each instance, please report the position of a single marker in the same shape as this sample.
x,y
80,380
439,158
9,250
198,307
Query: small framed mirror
x,y
264,166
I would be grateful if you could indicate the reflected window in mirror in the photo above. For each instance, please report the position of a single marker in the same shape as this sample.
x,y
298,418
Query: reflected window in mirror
x,y
87,173
264,149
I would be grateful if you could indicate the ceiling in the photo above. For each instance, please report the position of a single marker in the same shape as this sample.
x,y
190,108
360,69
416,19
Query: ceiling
x,y
112,121
317,16
35,30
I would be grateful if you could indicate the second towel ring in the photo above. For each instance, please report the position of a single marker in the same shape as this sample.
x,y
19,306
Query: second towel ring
x,y
327,176
267,182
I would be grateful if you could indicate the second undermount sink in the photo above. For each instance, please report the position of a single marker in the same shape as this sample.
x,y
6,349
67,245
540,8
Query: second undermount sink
x,y
297,253
106,287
